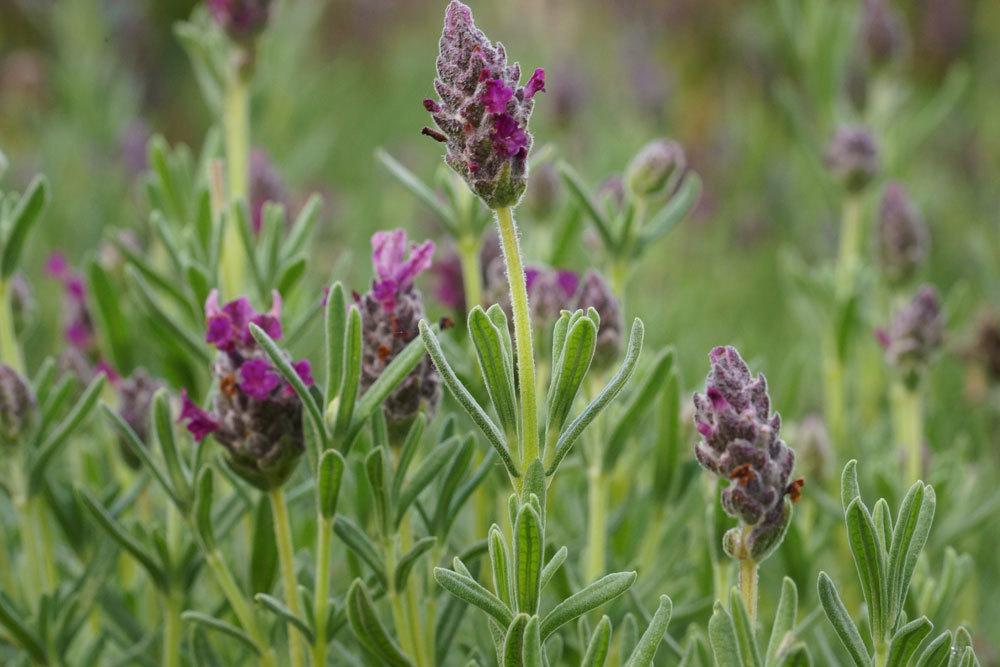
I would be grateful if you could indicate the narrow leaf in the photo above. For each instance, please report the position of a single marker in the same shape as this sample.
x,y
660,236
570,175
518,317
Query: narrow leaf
x,y
907,639
645,650
495,368
329,475
869,560
936,653
591,597
513,643
550,569
216,625
599,645
368,628
409,559
784,619
722,637
528,546
29,208
841,621
278,608
466,588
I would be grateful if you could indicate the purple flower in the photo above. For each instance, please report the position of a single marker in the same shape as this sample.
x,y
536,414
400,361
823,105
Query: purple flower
x,y
483,111
391,311
740,443
79,325
228,328
17,406
241,19
449,287
198,422
258,379
853,157
902,237
915,334
882,32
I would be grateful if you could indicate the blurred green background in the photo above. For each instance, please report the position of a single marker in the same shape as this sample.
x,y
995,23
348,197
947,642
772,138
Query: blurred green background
x,y
752,89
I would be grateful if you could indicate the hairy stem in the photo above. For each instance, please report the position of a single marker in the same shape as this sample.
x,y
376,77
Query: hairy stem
x,y
244,613
748,580
236,128
472,276
172,604
321,592
522,335
10,353
286,559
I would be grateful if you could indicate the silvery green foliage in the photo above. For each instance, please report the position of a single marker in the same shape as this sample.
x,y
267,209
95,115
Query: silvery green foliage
x,y
885,551
736,643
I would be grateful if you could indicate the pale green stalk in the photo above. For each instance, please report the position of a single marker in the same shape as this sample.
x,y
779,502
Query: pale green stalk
x,y
907,413
748,579
10,352
522,336
321,594
172,629
286,560
472,276
244,613
236,128
597,504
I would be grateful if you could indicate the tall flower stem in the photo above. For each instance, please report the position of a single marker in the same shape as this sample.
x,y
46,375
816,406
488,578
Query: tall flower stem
x,y
522,335
244,613
172,629
10,353
846,269
472,280
236,128
286,558
907,414
321,594
748,580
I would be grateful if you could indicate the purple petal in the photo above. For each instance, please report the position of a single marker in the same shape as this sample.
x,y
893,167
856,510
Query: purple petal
x,y
258,379
199,422
536,84
388,251
497,95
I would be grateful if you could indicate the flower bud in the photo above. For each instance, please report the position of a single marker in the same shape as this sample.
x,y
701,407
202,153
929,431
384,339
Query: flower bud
x,y
391,311
243,20
135,400
915,334
882,32
17,406
256,415
901,235
853,157
483,110
740,443
595,293
656,169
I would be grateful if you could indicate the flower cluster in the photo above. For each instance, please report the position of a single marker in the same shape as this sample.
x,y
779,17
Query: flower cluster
x,y
853,157
391,311
17,406
241,19
483,110
915,334
256,415
740,442
902,236
79,328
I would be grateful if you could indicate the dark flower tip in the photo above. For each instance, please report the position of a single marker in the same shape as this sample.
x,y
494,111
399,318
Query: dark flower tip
x,y
853,157
242,20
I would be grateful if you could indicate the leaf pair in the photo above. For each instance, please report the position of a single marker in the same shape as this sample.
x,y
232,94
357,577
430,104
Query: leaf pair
x,y
734,642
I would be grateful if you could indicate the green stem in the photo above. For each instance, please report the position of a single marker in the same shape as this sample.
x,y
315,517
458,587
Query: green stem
x,y
42,536
522,335
236,128
244,613
396,603
597,503
286,559
748,578
10,352
472,277
172,604
907,413
321,593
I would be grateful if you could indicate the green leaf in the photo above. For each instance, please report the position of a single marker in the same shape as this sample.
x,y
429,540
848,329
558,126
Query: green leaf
x,y
428,470
278,608
532,655
500,564
203,508
550,569
335,321
636,406
181,335
743,627
368,628
348,396
164,428
513,643
841,621
143,271
882,518
408,451
111,321
29,208
475,411
264,550
913,525
290,275
279,358
302,227
424,193
528,545
409,559
591,597
468,589
496,369
67,427
936,653
141,452
645,650
962,653
359,543
722,637
599,645
784,620
676,209
329,475
574,362
907,639
583,197
849,489
11,619
870,562
124,539
596,406
216,625
446,511
375,465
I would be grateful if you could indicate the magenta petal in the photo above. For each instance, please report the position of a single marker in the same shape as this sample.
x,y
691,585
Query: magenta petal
x,y
258,379
569,282
304,370
199,422
719,401
388,251
56,265
496,96
218,331
536,84
419,261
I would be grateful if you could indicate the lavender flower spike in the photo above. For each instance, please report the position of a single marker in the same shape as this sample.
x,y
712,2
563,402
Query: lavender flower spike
x,y
915,334
242,20
902,236
391,311
483,110
17,406
740,443
853,157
